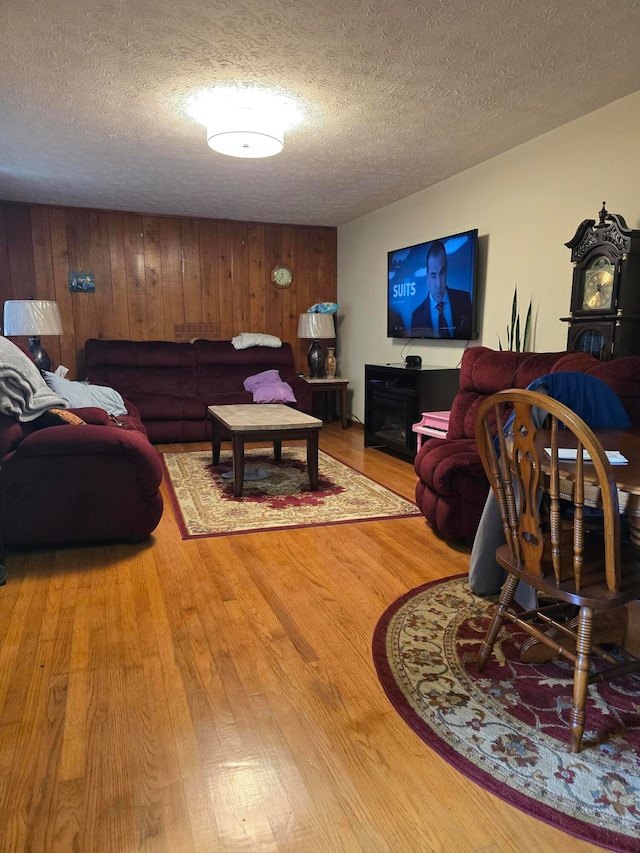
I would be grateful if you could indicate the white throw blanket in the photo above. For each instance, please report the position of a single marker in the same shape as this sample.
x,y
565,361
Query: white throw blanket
x,y
23,392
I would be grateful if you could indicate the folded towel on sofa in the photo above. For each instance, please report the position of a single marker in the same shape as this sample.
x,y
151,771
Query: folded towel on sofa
x,y
268,387
23,392
254,339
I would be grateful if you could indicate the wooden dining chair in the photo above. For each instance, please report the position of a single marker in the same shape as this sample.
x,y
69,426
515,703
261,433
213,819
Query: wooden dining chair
x,y
550,543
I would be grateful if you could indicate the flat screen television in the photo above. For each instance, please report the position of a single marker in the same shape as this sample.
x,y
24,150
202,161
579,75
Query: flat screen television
x,y
432,289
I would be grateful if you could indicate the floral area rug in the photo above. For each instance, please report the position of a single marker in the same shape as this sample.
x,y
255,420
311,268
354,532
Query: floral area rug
x,y
507,727
204,504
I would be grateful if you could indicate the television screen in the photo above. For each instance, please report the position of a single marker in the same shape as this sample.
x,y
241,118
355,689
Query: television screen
x,y
432,289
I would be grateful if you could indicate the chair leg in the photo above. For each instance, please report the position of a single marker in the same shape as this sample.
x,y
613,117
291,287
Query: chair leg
x,y
581,676
506,597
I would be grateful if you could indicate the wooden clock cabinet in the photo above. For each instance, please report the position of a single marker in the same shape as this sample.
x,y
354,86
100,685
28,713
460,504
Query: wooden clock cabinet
x,y
605,292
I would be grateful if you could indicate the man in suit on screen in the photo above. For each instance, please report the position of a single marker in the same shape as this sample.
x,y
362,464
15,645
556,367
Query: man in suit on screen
x,y
446,312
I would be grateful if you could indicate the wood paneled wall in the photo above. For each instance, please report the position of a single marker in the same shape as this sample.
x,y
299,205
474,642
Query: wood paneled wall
x,y
155,272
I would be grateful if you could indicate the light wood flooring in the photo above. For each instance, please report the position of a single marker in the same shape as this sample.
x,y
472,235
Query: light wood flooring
x,y
219,695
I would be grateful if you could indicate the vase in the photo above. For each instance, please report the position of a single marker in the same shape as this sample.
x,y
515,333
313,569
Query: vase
x,y
330,363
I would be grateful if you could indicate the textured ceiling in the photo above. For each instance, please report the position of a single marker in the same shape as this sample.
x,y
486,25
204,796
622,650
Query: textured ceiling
x,y
398,95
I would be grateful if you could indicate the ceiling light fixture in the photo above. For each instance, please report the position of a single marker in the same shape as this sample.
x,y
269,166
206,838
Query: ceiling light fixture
x,y
244,132
244,122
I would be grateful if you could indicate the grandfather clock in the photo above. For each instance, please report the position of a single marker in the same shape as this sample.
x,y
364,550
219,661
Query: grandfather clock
x,y
605,293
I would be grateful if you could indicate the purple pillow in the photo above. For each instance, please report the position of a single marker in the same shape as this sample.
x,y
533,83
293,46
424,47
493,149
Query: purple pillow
x,y
267,387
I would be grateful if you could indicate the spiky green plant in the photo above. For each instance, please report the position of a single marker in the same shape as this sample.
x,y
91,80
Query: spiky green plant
x,y
514,341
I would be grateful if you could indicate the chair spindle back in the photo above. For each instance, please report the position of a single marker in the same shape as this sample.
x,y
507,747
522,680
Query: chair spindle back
x,y
520,469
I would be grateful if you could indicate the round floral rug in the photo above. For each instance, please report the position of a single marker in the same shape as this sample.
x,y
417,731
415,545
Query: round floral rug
x,y
507,727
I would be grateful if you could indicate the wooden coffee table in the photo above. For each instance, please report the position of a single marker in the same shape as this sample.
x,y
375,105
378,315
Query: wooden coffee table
x,y
263,422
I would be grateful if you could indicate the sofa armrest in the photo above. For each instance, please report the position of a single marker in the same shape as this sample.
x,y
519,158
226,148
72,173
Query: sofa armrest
x,y
91,415
74,440
96,416
452,487
303,393
440,462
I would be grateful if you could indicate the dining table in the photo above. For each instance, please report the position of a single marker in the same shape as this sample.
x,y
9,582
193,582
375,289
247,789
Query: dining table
x,y
627,479
626,475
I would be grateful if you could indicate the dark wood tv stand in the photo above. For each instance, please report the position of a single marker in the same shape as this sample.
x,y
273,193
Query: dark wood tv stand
x,y
395,397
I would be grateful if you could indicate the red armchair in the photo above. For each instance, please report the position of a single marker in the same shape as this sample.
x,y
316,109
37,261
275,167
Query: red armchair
x,y
452,486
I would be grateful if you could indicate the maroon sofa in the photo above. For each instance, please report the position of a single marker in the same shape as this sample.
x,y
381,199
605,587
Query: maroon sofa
x,y
452,487
172,384
92,482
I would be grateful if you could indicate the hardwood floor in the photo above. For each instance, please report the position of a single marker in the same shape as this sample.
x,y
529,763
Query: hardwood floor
x,y
219,695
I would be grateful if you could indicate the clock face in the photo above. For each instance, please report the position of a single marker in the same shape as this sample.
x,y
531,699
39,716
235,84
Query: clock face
x,y
281,276
598,286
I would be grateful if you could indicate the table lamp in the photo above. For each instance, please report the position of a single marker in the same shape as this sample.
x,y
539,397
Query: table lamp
x,y
316,327
33,317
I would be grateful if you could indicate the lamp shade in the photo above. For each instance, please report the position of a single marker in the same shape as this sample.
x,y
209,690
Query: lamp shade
x,y
31,317
316,326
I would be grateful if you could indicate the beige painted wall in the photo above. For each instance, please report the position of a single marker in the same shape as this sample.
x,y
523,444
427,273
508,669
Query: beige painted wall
x,y
526,204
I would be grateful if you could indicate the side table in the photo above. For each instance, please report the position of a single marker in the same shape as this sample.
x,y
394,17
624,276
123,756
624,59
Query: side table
x,y
336,385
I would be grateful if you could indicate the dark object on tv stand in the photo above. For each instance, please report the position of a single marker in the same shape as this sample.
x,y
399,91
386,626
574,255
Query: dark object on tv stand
x,y
413,361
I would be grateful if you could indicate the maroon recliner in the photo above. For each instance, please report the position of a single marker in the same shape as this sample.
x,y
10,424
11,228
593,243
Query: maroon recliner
x,y
72,484
452,487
